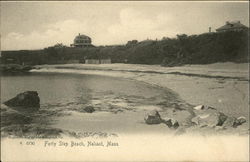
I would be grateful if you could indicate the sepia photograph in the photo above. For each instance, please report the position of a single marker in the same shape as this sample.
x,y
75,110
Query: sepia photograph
x,y
124,81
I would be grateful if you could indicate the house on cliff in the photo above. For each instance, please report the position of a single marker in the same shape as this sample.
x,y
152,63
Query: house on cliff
x,y
232,26
82,41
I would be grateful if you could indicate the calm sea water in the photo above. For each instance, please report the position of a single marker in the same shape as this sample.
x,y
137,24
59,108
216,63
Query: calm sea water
x,y
74,89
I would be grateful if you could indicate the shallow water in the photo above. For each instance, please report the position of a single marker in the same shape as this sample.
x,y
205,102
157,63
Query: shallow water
x,y
63,97
67,89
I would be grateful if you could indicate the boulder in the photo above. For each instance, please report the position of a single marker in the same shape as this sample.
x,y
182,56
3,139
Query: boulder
x,y
153,117
241,120
28,99
171,123
234,122
89,109
230,122
209,117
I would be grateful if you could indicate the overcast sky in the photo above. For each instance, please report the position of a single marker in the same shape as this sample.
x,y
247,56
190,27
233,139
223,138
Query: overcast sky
x,y
35,25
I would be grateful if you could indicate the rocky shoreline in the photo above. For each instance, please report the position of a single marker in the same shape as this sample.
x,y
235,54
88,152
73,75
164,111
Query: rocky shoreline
x,y
6,69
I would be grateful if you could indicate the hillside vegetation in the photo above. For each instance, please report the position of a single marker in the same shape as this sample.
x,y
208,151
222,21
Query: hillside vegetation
x,y
195,49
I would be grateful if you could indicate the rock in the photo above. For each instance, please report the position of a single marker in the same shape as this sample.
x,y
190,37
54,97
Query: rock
x,y
171,123
241,120
210,117
203,107
234,122
89,109
199,107
230,122
221,119
28,99
153,117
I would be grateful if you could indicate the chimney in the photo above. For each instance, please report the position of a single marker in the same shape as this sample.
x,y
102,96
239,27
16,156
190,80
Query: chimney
x,y
79,34
209,29
227,22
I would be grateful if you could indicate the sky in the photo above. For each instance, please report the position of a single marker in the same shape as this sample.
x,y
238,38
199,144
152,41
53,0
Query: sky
x,y
36,25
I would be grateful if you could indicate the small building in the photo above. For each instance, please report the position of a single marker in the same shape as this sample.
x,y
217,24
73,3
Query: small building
x,y
232,26
82,41
97,61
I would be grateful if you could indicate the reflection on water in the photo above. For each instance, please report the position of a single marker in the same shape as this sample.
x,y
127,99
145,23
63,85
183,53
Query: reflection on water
x,y
60,94
68,91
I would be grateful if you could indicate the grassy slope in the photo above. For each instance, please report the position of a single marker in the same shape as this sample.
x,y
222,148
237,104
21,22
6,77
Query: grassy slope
x,y
195,49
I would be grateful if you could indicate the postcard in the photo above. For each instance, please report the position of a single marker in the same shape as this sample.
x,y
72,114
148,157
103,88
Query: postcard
x,y
124,81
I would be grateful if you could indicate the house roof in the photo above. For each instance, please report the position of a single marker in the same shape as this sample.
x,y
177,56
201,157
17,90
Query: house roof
x,y
82,37
232,25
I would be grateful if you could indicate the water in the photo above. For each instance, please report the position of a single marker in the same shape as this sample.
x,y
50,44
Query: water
x,y
66,89
63,97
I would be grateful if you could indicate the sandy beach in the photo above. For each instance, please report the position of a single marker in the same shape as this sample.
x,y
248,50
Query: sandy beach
x,y
223,86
